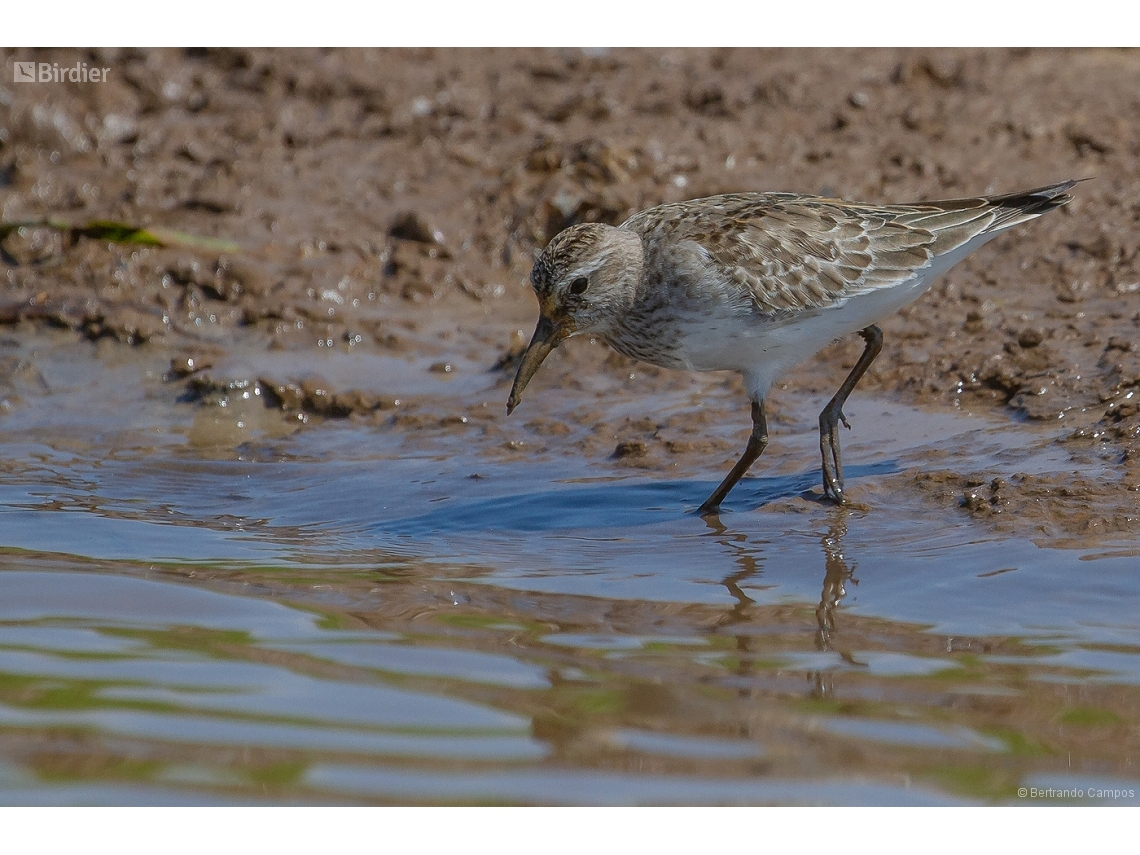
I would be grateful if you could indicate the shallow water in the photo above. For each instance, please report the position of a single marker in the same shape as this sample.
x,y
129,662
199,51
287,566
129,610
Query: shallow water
x,y
219,605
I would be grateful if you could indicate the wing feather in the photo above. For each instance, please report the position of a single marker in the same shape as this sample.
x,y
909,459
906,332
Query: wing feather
x,y
787,253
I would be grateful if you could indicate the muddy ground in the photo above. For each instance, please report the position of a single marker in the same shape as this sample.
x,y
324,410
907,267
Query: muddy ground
x,y
393,200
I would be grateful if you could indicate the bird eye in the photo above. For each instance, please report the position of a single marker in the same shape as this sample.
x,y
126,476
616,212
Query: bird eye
x,y
579,285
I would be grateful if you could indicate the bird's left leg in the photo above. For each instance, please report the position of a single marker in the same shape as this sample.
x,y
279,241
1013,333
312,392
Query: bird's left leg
x,y
757,442
832,415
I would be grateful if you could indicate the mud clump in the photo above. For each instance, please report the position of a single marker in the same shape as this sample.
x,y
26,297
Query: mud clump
x,y
309,397
410,226
185,365
312,396
984,499
630,449
1064,507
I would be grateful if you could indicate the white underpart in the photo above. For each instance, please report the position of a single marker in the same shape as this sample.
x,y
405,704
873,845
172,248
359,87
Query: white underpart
x,y
763,350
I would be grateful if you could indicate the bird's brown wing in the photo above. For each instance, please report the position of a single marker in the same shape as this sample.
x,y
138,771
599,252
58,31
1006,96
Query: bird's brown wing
x,y
790,253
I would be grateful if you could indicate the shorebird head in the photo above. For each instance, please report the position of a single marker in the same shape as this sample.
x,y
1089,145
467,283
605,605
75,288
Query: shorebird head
x,y
584,279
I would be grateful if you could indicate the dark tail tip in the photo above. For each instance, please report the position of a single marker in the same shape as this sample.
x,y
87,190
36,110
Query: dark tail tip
x,y
1039,200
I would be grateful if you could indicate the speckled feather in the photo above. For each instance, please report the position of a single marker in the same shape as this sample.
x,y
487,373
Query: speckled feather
x,y
789,253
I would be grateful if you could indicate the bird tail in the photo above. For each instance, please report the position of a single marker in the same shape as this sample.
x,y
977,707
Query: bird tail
x,y
956,221
1014,208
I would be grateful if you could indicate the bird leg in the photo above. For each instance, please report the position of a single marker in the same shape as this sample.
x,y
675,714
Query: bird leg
x,y
832,415
756,444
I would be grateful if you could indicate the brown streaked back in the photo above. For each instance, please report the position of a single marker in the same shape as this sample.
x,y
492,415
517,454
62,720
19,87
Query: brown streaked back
x,y
790,253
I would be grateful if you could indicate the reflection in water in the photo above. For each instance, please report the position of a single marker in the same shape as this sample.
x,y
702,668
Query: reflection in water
x,y
252,683
749,559
835,577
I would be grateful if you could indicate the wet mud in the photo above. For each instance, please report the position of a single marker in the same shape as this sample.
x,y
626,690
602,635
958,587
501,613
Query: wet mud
x,y
260,311
390,202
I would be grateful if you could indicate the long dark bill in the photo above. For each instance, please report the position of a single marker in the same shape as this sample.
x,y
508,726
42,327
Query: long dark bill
x,y
547,336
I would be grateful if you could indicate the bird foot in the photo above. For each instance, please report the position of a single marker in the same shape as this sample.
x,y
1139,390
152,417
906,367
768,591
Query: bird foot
x,y
834,493
709,510
843,500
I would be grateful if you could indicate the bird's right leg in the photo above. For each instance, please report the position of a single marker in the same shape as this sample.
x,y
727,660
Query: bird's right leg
x,y
832,416
756,445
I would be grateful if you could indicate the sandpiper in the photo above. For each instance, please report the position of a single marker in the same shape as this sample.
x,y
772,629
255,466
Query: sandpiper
x,y
756,283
